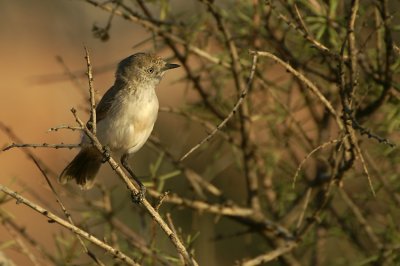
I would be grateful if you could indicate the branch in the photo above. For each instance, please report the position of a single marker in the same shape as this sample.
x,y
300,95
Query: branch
x,y
246,216
54,218
302,78
323,145
67,214
270,255
302,29
232,112
43,145
92,119
57,128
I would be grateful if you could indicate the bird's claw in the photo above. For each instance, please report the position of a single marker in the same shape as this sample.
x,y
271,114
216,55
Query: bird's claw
x,y
138,197
106,154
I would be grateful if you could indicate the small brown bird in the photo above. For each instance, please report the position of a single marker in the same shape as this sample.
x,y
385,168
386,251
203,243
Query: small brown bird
x,y
125,118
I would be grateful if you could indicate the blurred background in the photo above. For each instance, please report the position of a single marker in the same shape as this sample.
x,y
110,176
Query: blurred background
x,y
40,39
43,76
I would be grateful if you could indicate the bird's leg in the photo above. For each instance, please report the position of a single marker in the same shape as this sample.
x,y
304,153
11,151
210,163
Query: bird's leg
x,y
136,197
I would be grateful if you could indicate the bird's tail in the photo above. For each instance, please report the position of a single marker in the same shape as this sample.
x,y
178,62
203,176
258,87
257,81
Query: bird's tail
x,y
83,168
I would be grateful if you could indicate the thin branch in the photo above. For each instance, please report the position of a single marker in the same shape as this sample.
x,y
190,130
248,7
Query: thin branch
x,y
198,182
351,39
367,132
54,218
302,29
360,218
208,125
203,206
67,214
322,146
43,145
172,226
92,119
304,208
56,128
11,134
138,242
364,165
230,115
270,255
245,215
302,78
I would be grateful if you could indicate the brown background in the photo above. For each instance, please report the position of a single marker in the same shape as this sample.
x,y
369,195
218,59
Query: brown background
x,y
35,95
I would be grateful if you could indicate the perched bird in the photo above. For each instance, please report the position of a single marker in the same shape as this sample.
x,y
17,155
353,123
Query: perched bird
x,y
125,118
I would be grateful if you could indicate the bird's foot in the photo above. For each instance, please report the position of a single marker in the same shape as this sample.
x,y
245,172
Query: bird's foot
x,y
106,154
138,197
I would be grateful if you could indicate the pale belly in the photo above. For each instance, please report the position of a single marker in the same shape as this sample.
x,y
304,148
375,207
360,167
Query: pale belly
x,y
127,129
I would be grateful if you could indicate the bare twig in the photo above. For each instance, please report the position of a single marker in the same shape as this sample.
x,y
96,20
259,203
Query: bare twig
x,y
43,145
9,132
367,132
138,242
208,125
304,208
301,77
20,199
302,29
365,168
56,128
323,145
231,210
202,206
92,119
351,40
198,182
67,214
172,226
231,113
360,218
270,255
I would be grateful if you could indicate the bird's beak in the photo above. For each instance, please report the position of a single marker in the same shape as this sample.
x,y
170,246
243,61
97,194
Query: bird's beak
x,y
170,66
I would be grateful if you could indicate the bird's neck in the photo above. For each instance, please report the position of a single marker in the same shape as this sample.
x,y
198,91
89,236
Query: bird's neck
x,y
135,88
133,84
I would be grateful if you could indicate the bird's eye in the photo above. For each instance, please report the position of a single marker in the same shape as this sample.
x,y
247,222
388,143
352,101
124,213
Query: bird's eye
x,y
150,70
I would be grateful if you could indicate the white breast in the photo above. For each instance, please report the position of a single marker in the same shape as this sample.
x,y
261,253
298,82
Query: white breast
x,y
129,123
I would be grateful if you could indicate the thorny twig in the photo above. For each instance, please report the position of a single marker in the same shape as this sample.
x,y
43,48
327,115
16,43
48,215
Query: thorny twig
x,y
54,218
92,120
43,145
231,113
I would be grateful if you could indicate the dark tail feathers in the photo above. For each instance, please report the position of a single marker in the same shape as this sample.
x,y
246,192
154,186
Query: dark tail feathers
x,y
83,168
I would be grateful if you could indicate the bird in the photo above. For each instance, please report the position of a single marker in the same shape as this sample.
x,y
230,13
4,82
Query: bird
x,y
125,117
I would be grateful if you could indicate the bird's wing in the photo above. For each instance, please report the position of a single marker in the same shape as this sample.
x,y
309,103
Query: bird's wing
x,y
105,103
